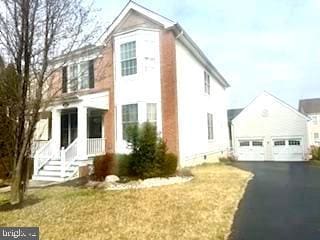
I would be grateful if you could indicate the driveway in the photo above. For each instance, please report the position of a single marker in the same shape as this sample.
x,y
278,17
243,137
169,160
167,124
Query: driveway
x,y
281,202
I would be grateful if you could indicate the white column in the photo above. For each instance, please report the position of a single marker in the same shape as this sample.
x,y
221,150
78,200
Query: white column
x,y
56,132
82,133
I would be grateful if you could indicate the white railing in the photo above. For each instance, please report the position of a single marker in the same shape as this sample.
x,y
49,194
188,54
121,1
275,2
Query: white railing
x,y
42,156
68,156
37,145
95,146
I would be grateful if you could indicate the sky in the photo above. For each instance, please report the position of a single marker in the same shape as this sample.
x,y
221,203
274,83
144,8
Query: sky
x,y
257,45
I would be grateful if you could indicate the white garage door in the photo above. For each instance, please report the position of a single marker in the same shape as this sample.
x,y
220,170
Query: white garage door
x,y
287,150
251,150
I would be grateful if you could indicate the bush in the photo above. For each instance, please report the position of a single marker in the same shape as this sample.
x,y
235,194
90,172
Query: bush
x,y
122,165
227,160
315,153
103,166
149,156
170,164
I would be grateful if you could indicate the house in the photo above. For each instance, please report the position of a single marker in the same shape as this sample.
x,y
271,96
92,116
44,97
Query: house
x,y
145,67
311,107
232,113
268,129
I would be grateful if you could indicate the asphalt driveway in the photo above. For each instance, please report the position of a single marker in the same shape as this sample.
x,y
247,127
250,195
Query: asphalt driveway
x,y
281,202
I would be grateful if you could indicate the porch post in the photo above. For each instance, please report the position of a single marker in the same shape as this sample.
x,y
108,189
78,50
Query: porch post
x,y
56,132
82,133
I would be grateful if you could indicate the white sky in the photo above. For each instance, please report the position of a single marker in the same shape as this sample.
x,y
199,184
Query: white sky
x,y
257,45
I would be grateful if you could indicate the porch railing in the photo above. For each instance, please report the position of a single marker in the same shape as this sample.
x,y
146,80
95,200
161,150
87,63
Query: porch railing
x,y
68,156
96,146
42,156
37,145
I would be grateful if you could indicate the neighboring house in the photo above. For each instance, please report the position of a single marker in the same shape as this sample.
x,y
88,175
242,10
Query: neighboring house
x,y
144,68
311,107
268,129
232,113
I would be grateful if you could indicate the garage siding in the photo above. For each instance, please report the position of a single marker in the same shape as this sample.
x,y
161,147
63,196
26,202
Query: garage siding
x,y
268,118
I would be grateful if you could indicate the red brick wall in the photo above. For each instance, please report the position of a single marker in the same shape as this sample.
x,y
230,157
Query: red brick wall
x,y
104,80
169,96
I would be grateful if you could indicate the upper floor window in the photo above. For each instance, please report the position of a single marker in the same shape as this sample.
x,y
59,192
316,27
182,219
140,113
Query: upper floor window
x,y
152,113
129,118
314,120
128,58
78,76
316,135
210,126
206,83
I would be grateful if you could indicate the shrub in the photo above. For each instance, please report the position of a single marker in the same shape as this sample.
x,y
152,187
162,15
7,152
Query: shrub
x,y
228,159
315,153
103,166
170,164
149,153
122,165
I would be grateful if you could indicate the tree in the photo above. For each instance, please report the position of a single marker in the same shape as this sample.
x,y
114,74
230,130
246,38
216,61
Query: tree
x,y
9,100
31,33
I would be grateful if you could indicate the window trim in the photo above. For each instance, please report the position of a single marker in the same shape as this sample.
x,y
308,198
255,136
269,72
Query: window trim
x,y
210,131
124,134
128,59
207,83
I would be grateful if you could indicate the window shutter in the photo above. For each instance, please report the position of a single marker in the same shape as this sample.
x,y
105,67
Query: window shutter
x,y
91,74
64,79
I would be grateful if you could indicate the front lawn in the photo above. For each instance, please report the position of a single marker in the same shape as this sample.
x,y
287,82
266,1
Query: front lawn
x,y
200,209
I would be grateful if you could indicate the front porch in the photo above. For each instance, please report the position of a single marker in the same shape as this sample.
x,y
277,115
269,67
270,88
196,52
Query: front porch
x,y
75,136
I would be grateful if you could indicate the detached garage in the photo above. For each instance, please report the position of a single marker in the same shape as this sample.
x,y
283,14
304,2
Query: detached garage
x,y
268,129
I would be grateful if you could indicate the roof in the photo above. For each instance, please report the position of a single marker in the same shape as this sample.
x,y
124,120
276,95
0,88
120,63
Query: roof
x,y
308,106
232,113
169,25
265,93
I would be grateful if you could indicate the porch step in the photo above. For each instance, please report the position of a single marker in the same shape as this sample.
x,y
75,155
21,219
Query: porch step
x,y
54,163
50,167
54,173
48,178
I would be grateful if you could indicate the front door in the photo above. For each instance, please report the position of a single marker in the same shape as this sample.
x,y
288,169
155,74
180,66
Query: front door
x,y
69,128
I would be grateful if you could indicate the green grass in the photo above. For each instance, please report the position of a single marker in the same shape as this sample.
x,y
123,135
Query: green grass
x,y
201,209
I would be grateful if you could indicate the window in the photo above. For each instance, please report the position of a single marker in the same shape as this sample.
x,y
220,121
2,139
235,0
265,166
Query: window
x,y
294,143
279,143
129,118
257,143
244,143
210,126
73,79
152,113
316,135
128,58
314,120
206,83
78,76
84,75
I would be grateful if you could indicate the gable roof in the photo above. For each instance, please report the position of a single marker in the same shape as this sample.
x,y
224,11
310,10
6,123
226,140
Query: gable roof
x,y
265,93
308,106
131,5
168,24
232,113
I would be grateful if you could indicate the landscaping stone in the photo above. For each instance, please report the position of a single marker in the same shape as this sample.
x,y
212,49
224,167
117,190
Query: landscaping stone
x,y
112,178
147,183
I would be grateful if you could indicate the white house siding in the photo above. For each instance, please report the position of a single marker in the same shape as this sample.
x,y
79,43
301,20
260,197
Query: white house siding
x,y
141,88
267,118
193,106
